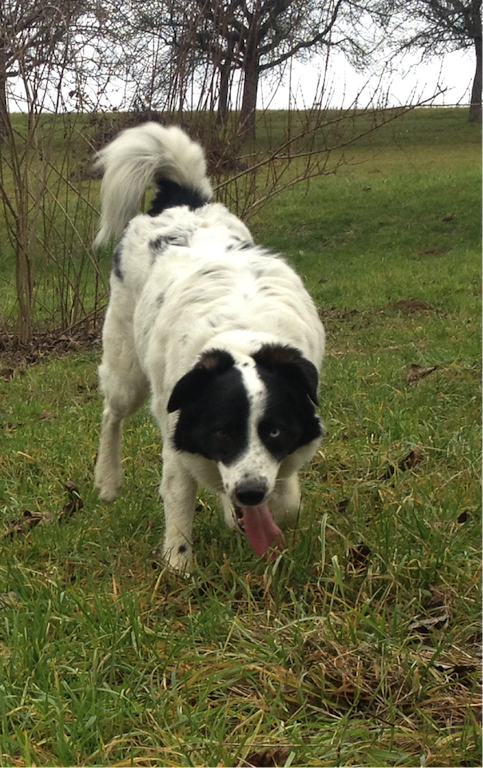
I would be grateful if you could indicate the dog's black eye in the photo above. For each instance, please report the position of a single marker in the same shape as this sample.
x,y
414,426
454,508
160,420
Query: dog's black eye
x,y
222,434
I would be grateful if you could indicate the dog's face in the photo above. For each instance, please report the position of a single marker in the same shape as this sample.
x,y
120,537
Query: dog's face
x,y
247,416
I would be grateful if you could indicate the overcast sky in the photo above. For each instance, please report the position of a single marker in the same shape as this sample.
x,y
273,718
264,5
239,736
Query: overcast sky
x,y
411,81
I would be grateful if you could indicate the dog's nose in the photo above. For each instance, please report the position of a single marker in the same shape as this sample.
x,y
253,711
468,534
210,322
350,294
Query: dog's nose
x,y
251,493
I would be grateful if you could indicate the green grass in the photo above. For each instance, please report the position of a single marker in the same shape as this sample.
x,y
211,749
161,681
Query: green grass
x,y
361,644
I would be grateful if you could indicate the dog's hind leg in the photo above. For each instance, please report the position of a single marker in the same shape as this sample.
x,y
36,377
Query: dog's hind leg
x,y
178,491
125,389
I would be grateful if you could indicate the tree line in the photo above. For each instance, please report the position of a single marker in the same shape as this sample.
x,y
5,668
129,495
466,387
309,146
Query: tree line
x,y
162,51
199,61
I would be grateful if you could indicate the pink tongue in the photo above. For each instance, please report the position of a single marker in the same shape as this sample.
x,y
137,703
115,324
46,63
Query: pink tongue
x,y
260,529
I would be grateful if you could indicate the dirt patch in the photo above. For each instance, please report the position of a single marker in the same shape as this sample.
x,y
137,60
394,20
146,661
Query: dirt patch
x,y
410,306
14,356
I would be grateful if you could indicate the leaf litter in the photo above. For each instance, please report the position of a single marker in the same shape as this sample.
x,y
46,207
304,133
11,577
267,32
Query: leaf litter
x,y
410,461
29,520
268,758
416,372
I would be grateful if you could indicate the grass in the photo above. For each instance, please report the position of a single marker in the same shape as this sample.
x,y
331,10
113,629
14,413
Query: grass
x,y
361,644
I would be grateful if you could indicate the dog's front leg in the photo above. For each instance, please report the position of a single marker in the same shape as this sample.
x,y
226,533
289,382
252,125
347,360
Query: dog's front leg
x,y
178,491
108,470
285,502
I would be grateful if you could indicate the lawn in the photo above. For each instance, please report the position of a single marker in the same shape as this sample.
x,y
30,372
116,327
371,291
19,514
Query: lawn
x,y
361,644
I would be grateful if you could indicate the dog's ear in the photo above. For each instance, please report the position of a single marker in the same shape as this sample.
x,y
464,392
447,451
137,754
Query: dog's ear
x,y
290,363
193,383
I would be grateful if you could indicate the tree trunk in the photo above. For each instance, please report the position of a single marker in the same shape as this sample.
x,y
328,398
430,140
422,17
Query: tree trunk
x,y
475,106
3,92
251,73
225,72
24,285
249,100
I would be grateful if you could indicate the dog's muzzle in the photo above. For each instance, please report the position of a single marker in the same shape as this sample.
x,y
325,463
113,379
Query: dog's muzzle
x,y
251,493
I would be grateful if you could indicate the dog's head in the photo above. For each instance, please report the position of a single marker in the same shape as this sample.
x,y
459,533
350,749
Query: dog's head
x,y
248,415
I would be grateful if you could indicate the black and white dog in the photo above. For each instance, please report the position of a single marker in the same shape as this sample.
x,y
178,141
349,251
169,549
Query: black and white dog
x,y
222,336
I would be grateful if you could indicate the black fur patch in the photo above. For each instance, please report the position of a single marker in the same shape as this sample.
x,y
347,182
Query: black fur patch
x,y
213,362
171,195
290,362
213,420
239,245
116,262
159,245
289,420
162,242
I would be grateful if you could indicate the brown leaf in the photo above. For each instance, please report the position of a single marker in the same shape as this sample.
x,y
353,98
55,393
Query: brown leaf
x,y
343,504
416,372
44,415
413,458
267,758
448,217
464,516
359,556
7,599
75,503
462,671
425,624
26,522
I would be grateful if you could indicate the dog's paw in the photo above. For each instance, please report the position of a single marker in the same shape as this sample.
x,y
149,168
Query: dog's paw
x,y
159,562
107,486
179,558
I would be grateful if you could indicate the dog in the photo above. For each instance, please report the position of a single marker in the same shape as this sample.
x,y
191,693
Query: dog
x,y
218,332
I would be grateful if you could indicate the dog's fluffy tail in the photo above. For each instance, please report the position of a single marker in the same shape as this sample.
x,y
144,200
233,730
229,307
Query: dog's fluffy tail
x,y
135,158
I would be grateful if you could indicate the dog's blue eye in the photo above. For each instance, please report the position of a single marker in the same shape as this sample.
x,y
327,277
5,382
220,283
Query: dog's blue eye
x,y
274,433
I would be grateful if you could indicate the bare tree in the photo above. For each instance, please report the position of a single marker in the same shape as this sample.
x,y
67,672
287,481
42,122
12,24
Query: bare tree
x,y
31,33
436,27
64,63
217,39
38,45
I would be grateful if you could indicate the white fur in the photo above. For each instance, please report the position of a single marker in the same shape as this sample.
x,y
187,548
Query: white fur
x,y
133,160
165,312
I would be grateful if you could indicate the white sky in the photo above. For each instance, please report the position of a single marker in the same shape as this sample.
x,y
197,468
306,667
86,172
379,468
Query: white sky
x,y
412,81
